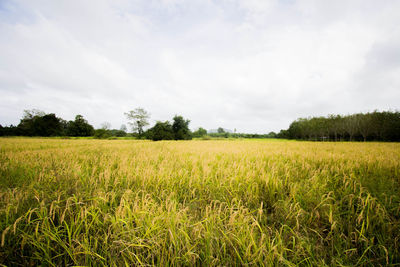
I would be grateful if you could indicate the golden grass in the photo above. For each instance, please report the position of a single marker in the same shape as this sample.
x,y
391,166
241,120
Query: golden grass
x,y
243,202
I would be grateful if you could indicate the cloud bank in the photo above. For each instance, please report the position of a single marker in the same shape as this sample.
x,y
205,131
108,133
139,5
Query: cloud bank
x,y
253,65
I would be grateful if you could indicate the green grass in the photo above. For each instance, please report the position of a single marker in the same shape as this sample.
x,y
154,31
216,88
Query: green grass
x,y
200,202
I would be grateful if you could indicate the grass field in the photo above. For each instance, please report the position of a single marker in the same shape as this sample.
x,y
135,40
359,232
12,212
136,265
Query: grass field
x,y
210,203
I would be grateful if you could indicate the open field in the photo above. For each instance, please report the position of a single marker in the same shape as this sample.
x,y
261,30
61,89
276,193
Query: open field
x,y
255,202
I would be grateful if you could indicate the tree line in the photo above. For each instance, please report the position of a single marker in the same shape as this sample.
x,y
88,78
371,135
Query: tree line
x,y
38,123
371,126
178,130
222,133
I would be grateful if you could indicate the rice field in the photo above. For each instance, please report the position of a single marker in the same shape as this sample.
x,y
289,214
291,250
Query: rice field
x,y
204,203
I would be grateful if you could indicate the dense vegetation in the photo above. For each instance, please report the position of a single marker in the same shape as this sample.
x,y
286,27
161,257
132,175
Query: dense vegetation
x,y
37,123
209,203
378,126
179,130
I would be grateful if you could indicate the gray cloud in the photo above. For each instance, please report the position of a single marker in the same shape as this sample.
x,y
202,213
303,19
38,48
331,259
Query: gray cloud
x,y
251,65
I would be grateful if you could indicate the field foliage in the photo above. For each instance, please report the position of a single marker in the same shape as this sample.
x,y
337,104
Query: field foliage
x,y
211,203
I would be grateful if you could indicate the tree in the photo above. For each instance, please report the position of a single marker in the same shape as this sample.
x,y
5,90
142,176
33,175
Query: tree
x,y
351,123
79,127
31,113
334,125
283,134
48,125
10,131
340,125
161,131
37,123
221,130
200,132
26,125
180,128
384,126
321,127
118,133
365,124
102,133
138,119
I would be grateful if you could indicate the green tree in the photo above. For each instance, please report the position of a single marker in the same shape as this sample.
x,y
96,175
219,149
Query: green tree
x,y
351,123
118,133
200,132
365,125
37,123
102,133
79,127
334,125
26,125
180,128
160,131
138,119
48,125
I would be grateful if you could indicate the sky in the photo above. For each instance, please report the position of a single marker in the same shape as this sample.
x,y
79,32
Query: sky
x,y
250,65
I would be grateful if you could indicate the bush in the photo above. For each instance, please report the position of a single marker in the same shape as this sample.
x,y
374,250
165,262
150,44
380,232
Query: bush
x,y
102,134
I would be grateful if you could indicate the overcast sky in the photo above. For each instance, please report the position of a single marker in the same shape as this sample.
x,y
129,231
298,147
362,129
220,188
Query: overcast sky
x,y
253,65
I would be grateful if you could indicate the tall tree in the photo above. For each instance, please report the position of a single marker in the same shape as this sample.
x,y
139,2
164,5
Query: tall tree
x,y
160,131
352,125
200,132
26,125
333,125
365,124
138,119
384,126
46,125
38,123
181,128
79,127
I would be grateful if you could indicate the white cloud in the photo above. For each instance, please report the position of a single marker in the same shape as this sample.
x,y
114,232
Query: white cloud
x,y
251,65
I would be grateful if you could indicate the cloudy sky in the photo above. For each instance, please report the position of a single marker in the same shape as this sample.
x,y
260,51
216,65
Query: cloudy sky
x,y
253,65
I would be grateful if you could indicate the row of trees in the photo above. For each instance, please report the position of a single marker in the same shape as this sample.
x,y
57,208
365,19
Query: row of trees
x,y
37,123
379,126
222,133
178,130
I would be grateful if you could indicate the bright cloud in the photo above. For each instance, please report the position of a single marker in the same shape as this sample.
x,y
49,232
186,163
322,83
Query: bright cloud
x,y
247,64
